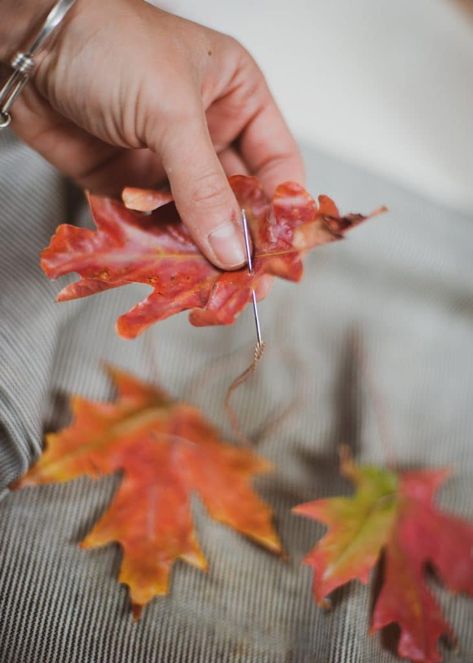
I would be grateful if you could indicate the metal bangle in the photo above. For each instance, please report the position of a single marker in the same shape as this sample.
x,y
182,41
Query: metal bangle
x,y
23,62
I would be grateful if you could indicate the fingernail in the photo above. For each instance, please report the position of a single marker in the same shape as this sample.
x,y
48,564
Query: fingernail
x,y
227,244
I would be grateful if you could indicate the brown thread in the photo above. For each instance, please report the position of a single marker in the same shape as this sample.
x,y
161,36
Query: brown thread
x,y
277,416
295,361
210,370
237,382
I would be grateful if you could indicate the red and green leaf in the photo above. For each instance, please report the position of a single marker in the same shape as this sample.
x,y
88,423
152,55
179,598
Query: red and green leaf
x,y
394,515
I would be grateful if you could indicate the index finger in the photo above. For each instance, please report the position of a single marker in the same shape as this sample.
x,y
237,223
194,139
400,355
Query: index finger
x,y
269,149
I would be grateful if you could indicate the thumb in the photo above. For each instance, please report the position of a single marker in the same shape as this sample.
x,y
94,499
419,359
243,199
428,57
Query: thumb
x,y
203,196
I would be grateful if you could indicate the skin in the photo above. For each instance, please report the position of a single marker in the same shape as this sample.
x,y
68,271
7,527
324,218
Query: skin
x,y
127,94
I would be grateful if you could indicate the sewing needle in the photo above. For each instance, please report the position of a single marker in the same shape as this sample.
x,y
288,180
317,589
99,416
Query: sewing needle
x,y
246,234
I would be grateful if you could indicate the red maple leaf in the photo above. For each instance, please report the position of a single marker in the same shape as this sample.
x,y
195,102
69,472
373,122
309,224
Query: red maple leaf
x,y
157,250
166,452
394,514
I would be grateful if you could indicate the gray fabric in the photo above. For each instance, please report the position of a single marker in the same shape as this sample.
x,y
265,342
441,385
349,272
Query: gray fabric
x,y
403,284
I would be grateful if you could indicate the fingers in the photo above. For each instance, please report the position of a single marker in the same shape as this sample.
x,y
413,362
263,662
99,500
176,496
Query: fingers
x,y
247,112
268,148
232,162
201,191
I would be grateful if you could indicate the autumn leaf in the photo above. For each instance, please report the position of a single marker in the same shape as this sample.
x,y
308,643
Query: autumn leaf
x,y
393,514
166,451
156,249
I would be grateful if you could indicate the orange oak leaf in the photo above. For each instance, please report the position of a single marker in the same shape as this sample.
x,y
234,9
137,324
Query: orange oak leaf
x,y
393,514
156,249
166,452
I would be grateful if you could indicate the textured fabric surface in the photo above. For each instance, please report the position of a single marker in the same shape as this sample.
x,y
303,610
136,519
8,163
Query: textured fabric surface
x,y
402,284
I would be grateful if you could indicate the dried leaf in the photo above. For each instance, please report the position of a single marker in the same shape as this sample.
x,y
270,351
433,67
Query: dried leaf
x,y
166,451
156,249
394,514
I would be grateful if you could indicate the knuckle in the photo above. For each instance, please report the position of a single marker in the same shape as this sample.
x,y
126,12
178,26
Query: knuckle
x,y
163,130
248,62
209,190
233,43
169,110
242,55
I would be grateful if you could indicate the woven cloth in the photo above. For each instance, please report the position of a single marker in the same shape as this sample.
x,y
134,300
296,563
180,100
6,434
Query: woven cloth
x,y
402,285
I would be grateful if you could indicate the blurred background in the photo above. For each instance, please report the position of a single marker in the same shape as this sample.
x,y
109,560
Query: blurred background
x,y
385,84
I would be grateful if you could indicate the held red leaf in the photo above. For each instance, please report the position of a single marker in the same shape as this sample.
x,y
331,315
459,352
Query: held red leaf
x,y
156,249
166,451
394,514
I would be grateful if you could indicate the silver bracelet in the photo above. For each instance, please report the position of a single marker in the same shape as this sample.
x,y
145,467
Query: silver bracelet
x,y
23,62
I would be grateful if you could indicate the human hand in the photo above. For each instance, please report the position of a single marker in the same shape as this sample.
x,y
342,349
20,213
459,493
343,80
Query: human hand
x,y
128,94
